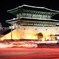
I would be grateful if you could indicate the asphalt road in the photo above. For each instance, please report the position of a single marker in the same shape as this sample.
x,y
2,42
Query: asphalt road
x,y
29,53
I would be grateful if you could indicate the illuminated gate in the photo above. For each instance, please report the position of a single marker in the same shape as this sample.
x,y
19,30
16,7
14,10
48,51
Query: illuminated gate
x,y
32,20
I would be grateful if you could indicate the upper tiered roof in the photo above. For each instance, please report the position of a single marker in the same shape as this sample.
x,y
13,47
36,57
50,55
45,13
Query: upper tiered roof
x,y
32,13
29,8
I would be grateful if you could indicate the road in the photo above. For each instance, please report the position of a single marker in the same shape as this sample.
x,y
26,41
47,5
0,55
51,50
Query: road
x,y
29,53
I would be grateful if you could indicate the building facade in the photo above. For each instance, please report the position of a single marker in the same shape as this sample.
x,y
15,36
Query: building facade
x,y
33,23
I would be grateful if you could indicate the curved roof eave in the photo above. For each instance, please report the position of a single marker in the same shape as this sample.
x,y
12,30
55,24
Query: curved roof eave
x,y
14,20
24,5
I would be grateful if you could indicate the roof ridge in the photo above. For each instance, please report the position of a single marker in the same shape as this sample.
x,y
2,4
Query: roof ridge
x,y
24,5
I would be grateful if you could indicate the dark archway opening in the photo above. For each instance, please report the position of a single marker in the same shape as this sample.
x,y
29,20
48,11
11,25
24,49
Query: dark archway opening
x,y
40,36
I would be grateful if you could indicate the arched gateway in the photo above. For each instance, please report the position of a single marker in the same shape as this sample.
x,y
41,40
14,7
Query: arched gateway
x,y
40,36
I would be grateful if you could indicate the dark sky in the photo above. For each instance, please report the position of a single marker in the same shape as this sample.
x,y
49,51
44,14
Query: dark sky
x,y
9,4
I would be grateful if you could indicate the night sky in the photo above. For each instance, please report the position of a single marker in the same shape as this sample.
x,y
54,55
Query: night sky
x,y
7,5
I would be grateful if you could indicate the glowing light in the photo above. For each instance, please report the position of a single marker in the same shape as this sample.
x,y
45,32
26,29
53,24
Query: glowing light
x,y
27,34
4,45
